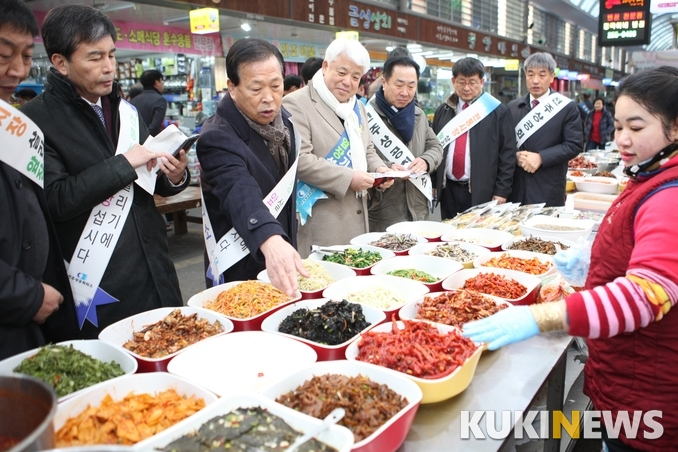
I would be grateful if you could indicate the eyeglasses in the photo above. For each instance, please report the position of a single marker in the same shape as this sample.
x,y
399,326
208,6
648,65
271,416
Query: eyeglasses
x,y
462,83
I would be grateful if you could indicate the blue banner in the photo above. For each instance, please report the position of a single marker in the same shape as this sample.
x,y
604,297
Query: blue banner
x,y
340,154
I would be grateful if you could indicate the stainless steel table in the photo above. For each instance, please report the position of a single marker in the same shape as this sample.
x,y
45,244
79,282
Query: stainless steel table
x,y
506,379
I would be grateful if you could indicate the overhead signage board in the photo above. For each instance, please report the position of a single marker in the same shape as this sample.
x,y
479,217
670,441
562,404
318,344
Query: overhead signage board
x,y
663,6
624,23
204,21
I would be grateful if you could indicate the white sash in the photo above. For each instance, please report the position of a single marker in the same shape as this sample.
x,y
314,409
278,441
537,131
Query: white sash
x,y
394,149
22,143
547,108
102,231
468,118
231,248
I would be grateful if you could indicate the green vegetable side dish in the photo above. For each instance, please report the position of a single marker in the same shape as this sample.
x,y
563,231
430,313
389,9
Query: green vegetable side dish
x,y
416,275
352,257
67,369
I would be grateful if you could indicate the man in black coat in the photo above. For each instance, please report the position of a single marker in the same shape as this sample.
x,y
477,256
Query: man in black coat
x,y
245,149
490,148
542,158
150,104
80,115
33,280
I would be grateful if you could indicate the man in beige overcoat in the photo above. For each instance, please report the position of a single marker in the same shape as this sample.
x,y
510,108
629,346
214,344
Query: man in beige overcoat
x,y
331,123
407,200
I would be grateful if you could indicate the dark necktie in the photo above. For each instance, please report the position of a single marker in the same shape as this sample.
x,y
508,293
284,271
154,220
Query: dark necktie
x,y
535,103
459,156
100,113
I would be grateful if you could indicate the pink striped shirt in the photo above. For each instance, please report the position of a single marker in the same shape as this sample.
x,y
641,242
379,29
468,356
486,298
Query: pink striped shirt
x,y
623,305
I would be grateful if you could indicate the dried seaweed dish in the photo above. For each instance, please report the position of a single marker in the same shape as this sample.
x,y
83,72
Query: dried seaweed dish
x,y
333,323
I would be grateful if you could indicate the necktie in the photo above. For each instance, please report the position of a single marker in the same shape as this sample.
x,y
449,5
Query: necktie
x,y
100,113
459,156
535,102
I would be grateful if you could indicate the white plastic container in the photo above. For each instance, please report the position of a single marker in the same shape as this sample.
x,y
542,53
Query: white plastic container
x,y
584,227
337,436
93,347
385,254
336,271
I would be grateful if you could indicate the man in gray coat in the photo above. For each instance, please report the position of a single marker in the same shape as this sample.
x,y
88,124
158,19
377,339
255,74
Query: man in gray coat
x,y
150,104
549,134
331,122
406,200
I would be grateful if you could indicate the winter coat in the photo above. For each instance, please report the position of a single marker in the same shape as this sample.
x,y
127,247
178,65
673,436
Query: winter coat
x,y
557,142
606,126
152,107
81,171
22,294
403,201
238,171
342,216
492,150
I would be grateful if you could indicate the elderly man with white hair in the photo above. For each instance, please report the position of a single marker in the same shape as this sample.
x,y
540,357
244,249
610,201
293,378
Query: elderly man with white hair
x,y
548,133
336,153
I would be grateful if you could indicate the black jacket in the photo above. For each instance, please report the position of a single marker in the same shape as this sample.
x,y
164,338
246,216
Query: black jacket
x,y
81,171
152,107
21,294
557,141
238,171
493,152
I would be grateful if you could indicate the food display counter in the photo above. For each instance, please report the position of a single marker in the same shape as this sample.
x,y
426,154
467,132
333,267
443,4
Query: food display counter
x,y
506,379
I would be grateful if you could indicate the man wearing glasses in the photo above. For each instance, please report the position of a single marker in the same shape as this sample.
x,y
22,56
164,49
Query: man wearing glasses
x,y
476,131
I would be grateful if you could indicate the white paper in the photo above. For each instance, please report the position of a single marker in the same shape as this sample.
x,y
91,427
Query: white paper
x,y
164,142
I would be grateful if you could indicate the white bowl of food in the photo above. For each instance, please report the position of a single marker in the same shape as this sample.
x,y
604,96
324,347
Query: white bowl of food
x,y
431,230
336,436
242,362
326,352
601,185
566,228
154,355
523,261
248,314
99,350
488,238
385,292
419,267
515,287
460,252
399,243
360,258
322,275
542,244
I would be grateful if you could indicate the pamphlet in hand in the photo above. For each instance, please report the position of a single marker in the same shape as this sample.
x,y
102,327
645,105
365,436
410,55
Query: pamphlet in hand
x,y
171,140
380,178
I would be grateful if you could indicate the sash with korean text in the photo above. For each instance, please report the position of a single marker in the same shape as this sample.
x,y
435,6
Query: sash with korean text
x,y
468,118
540,115
231,248
102,231
394,149
22,143
340,154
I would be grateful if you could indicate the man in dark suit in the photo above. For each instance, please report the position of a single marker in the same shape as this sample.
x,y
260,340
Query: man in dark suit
x,y
150,104
542,158
478,166
245,150
33,280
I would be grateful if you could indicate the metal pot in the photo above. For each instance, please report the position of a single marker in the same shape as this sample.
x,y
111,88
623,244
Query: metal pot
x,y
27,406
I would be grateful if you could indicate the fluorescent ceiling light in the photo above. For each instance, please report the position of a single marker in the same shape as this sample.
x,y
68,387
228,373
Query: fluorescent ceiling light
x,y
245,26
411,47
389,48
106,8
444,55
420,53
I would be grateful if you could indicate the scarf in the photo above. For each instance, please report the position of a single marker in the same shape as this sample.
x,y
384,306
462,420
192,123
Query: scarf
x,y
351,124
653,163
402,120
277,137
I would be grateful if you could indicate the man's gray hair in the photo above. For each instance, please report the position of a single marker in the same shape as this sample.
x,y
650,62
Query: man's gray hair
x,y
540,60
350,48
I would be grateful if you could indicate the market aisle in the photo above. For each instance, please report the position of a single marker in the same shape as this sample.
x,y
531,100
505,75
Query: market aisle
x,y
186,251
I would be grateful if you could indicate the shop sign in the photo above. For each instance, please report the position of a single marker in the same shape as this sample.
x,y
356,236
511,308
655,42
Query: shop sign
x,y
512,65
204,20
353,35
624,23
291,51
159,39
321,12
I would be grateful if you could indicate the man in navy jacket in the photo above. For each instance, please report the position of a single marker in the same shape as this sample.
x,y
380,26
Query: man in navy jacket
x,y
244,150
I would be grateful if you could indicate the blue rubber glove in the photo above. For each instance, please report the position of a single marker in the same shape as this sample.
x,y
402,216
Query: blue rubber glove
x,y
574,263
507,326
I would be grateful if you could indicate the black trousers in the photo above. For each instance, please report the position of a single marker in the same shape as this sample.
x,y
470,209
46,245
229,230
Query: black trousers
x,y
455,198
